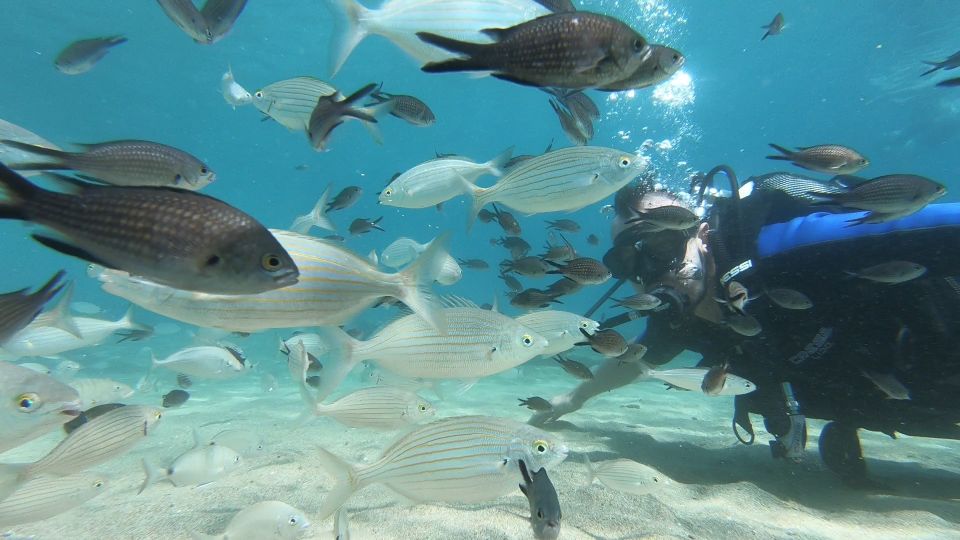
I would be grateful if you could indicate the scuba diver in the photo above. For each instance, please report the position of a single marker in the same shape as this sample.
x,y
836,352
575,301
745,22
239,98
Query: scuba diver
x,y
872,352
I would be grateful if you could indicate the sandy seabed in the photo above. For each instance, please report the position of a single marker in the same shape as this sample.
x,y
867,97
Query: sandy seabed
x,y
720,489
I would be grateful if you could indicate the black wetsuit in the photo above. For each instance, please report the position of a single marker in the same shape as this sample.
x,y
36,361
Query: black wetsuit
x,y
908,330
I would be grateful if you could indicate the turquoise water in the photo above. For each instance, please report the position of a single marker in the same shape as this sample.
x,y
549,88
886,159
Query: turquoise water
x,y
840,72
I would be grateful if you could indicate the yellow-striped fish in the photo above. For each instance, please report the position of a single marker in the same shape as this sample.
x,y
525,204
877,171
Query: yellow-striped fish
x,y
477,343
627,475
561,181
378,407
464,459
48,496
335,285
561,328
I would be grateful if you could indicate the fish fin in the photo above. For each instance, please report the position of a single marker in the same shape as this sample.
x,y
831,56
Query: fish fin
x,y
495,165
374,131
360,115
591,470
10,478
316,218
197,443
152,475
467,49
69,249
496,34
60,316
787,154
73,184
339,362
478,199
936,67
18,191
511,78
848,180
346,483
766,34
34,149
416,281
356,29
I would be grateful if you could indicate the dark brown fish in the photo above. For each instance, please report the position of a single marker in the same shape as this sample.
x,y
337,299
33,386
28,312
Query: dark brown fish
x,y
825,158
714,379
774,28
486,216
364,225
558,6
607,342
583,270
80,56
220,16
407,108
536,403
175,398
178,238
898,194
562,287
574,368
669,217
506,220
474,264
567,225
518,246
347,197
578,133
512,282
635,353
562,50
188,18
659,65
533,298
330,112
334,238
525,266
18,308
593,240
184,381
89,415
949,83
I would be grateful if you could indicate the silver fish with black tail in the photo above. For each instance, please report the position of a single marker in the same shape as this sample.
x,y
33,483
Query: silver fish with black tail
x,y
561,50
330,112
181,239
18,309
80,56
123,163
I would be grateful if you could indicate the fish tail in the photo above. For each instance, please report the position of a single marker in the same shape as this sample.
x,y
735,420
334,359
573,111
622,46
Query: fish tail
x,y
478,199
591,470
60,315
371,127
417,279
351,36
766,35
18,191
936,67
338,363
152,475
469,50
41,150
298,360
787,154
346,484
496,165
316,218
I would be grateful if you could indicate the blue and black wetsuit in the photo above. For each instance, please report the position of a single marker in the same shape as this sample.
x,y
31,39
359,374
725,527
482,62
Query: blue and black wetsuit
x,y
908,330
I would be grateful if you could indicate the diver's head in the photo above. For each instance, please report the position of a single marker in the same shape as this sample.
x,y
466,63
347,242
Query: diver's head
x,y
655,258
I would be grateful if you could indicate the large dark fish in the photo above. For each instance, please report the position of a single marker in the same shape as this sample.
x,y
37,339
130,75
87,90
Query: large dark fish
x,y
123,163
774,28
658,65
562,50
220,15
18,309
80,56
330,113
407,108
545,514
178,238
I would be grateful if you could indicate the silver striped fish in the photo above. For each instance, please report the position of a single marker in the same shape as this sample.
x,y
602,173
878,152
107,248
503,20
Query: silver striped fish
x,y
45,497
378,407
403,250
439,180
627,475
32,404
477,343
400,20
98,441
335,285
561,328
464,459
562,180
291,101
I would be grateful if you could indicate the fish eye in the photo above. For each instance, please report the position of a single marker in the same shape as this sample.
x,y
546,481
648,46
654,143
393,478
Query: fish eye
x,y
177,178
388,192
638,44
539,513
213,260
540,446
584,325
28,402
292,521
270,262
423,408
258,94
625,161
98,483
204,170
527,340
655,479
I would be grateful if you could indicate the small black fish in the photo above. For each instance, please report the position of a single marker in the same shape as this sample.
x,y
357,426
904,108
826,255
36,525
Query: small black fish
x,y
486,216
407,108
659,65
593,240
364,225
474,264
80,56
574,368
562,50
545,513
347,197
506,220
175,398
525,266
533,298
578,132
948,83
518,246
184,381
567,225
825,158
775,26
562,287
330,113
583,270
714,379
512,282
607,342
536,403
18,309
90,414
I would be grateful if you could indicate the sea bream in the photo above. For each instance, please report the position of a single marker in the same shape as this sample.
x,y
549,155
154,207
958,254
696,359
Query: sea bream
x,y
400,20
48,496
560,328
265,520
32,404
202,464
693,379
205,362
403,251
562,181
439,180
336,285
